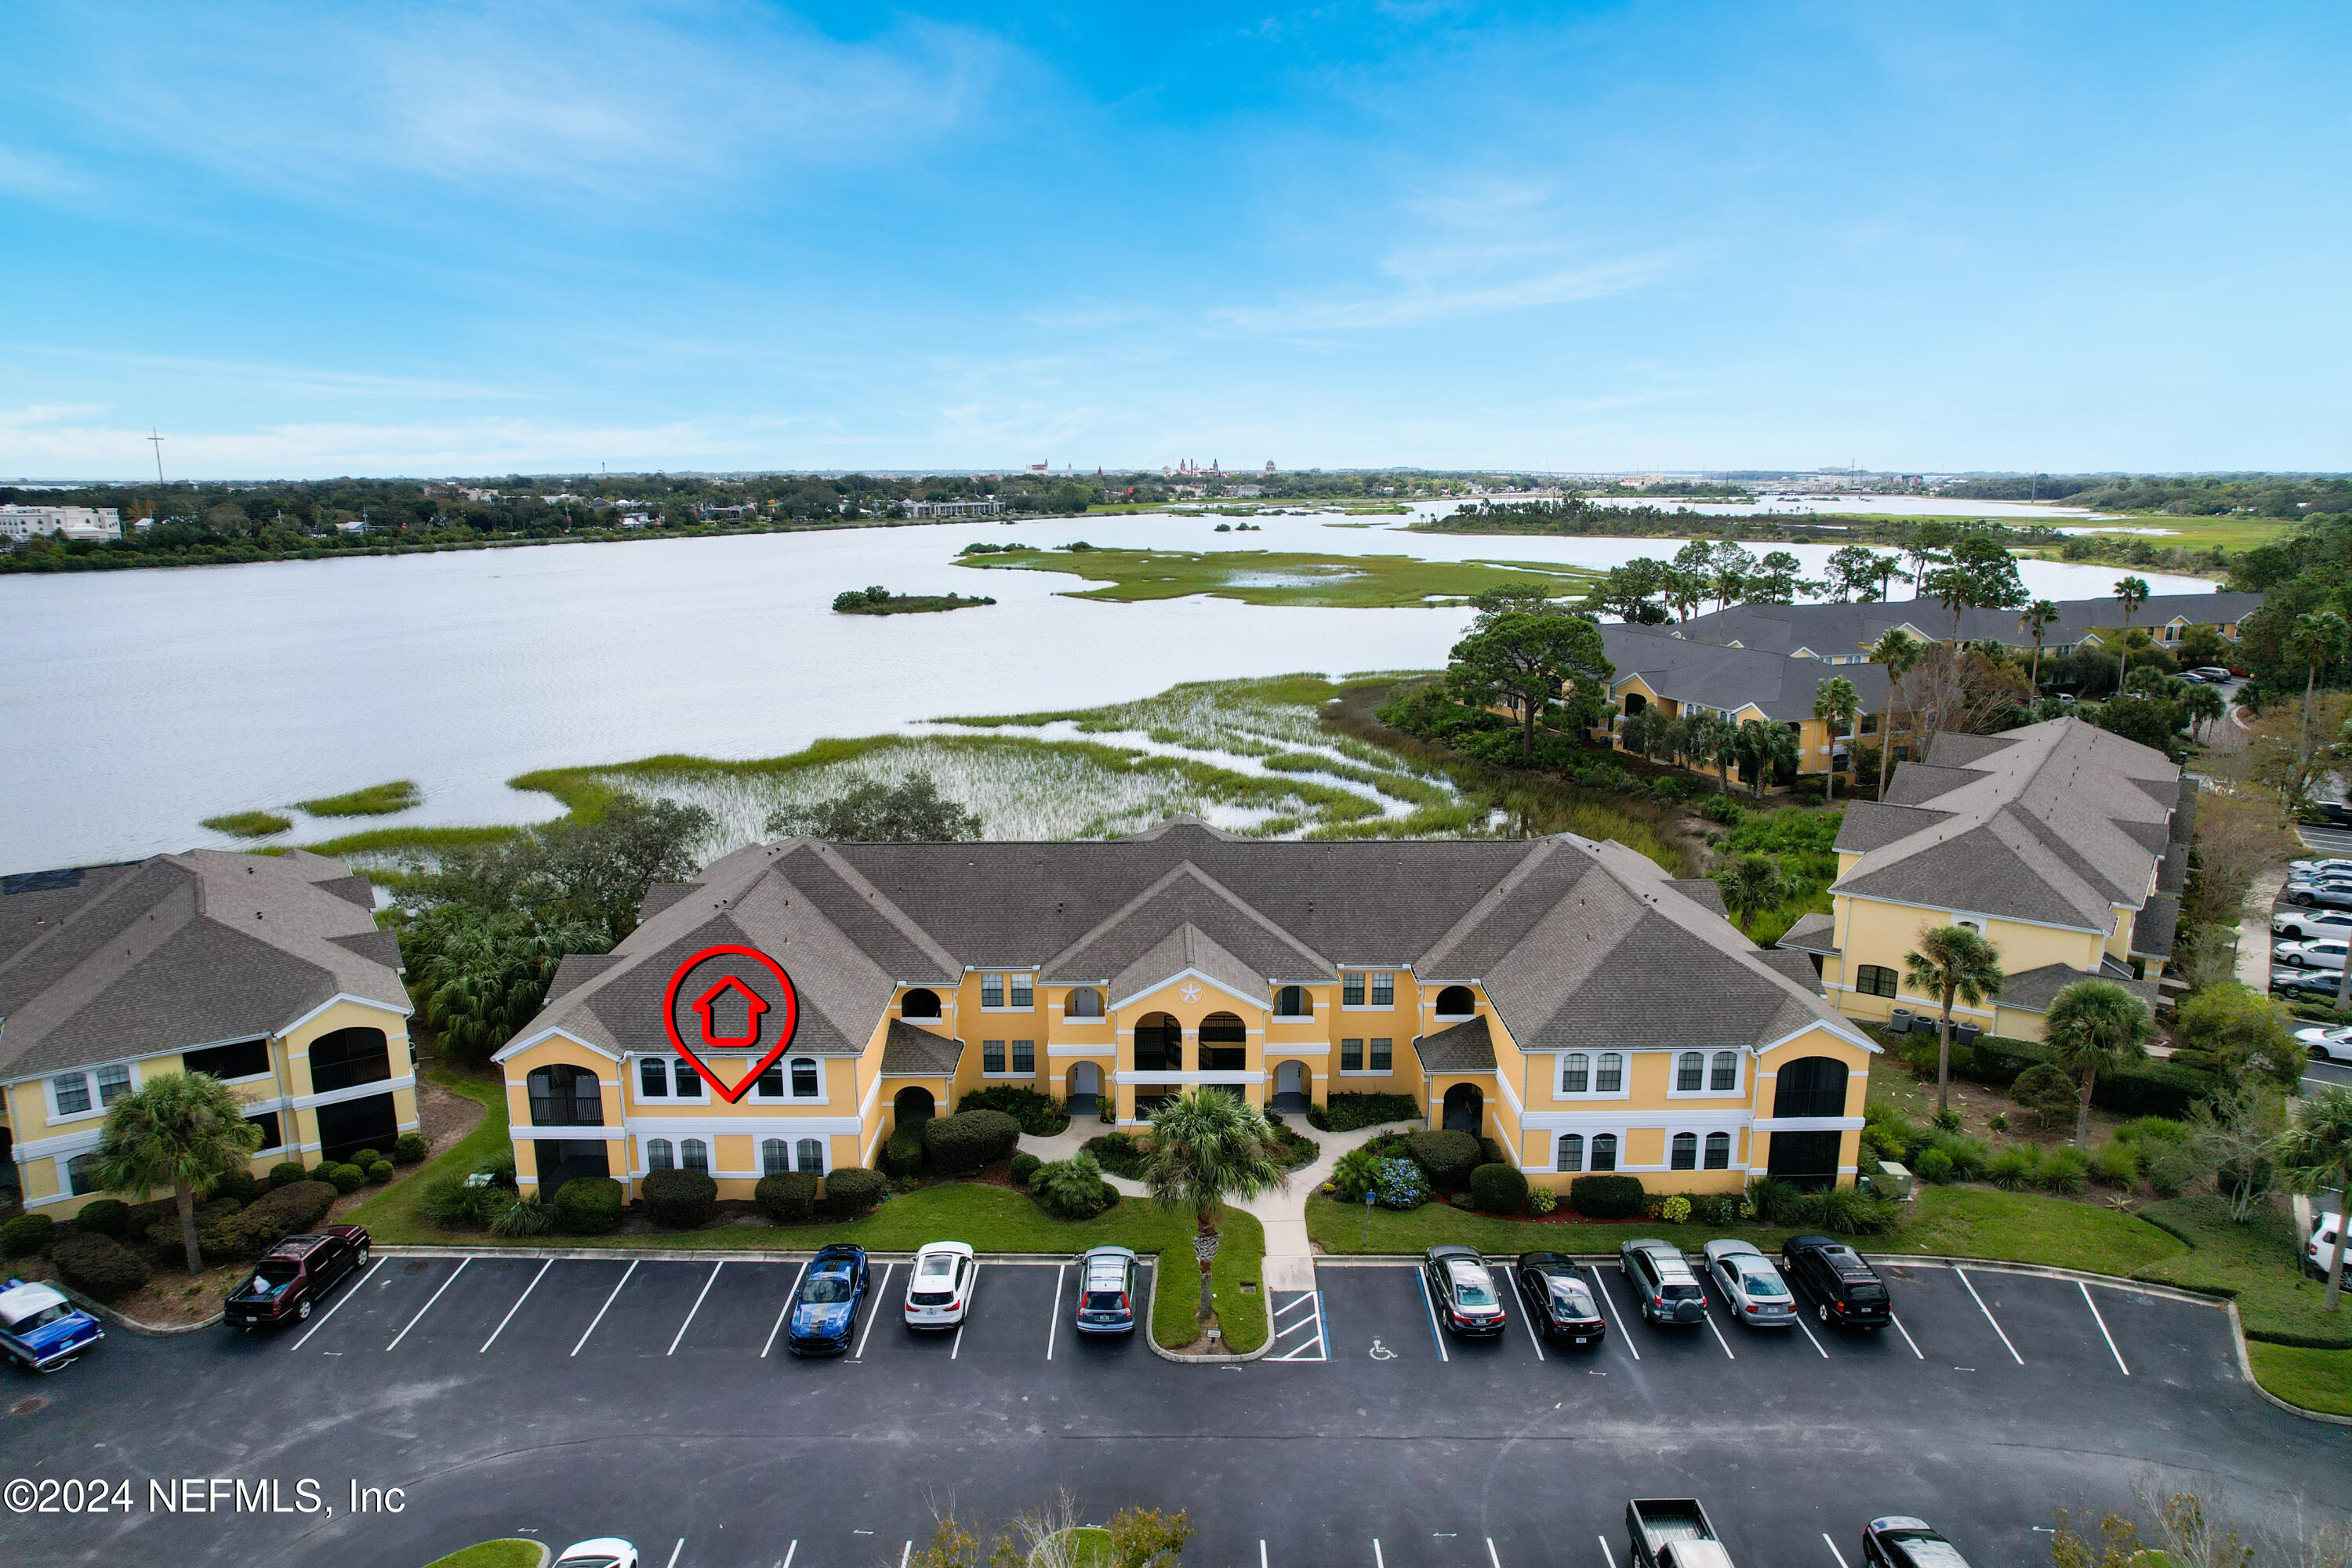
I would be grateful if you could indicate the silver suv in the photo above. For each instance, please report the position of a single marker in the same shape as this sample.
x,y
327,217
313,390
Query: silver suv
x,y
1670,1292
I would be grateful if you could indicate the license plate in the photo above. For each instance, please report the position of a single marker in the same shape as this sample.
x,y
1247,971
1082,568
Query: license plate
x,y
1579,1339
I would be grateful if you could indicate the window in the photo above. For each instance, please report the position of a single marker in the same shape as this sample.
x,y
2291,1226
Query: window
x,y
1292,1002
347,1056
1021,995
73,1093
1383,990
1352,990
694,1155
1382,1049
1571,1152
1610,1077
1684,1153
113,1082
271,1137
1875,980
660,1156
81,1174
1024,1056
808,1155
992,1056
1085,1002
564,1096
1718,1151
1456,1001
1870,723
920,1004
770,1084
1575,1073
1604,1150
991,991
689,1083
652,1078
1351,1055
775,1157
1690,1072
804,1079
245,1059
1727,1072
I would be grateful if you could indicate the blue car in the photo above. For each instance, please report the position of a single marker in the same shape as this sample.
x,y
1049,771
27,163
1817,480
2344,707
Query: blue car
x,y
42,1329
825,1308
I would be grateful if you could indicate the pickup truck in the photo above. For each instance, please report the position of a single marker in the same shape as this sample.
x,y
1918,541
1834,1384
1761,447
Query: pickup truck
x,y
40,1329
1673,1532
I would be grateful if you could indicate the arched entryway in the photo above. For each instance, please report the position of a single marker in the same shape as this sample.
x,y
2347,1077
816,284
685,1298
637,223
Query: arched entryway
x,y
912,1106
1085,1090
1466,1110
1224,1043
1290,1087
1809,1086
1160,1044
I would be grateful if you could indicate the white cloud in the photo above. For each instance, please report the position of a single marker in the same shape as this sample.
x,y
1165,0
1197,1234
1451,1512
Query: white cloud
x,y
27,173
1434,286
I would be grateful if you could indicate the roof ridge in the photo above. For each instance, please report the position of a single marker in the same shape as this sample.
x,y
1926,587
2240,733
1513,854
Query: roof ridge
x,y
884,905
1160,884
1491,901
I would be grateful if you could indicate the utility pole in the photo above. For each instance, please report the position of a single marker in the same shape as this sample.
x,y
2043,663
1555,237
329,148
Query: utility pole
x,y
158,440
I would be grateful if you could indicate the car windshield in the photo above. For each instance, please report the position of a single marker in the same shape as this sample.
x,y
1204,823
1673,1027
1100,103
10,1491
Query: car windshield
x,y
824,1289
1932,1552
1757,1282
1473,1287
1678,1292
598,1561
40,1318
1569,1293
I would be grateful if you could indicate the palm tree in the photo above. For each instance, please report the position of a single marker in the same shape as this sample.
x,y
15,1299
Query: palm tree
x,y
2131,593
2094,1027
2318,639
1752,885
1763,748
1952,961
1899,653
2035,623
2204,704
1684,592
2315,1153
1209,1147
1839,706
1715,742
184,1131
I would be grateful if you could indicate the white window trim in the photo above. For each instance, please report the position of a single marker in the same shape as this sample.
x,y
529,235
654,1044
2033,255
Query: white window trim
x,y
88,1076
1579,1096
1588,1134
1706,1076
1452,1017
634,1078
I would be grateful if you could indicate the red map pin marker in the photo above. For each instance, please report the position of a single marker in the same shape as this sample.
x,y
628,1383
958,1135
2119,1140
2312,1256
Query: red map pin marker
x,y
756,1008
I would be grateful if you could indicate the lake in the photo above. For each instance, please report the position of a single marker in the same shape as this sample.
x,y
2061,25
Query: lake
x,y
136,703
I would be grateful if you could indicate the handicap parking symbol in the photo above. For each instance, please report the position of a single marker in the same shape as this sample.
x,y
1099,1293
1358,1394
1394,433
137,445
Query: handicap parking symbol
x,y
1381,1352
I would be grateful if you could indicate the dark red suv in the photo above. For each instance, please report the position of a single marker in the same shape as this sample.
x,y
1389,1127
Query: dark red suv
x,y
293,1278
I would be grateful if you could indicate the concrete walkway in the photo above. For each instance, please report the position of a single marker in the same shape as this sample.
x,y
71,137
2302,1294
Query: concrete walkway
x,y
2255,930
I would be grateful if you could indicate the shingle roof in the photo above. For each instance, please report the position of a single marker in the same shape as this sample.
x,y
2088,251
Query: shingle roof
x,y
183,950
2153,930
1831,630
1811,933
1464,1048
2032,990
911,1052
1689,670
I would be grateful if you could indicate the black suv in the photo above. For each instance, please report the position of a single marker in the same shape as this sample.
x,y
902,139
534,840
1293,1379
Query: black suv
x,y
1902,1541
1846,1291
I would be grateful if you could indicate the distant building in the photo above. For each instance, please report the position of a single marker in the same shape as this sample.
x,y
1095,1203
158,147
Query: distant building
x,y
952,508
22,523
1247,491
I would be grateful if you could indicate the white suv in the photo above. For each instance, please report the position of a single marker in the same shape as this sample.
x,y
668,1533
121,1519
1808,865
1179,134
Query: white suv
x,y
2291,925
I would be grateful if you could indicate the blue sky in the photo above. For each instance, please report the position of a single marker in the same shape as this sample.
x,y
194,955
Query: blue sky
x,y
475,238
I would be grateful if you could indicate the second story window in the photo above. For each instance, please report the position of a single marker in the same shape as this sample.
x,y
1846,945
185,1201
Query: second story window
x,y
804,1078
1609,1076
1383,990
652,1078
991,991
73,1091
1727,1072
1576,1073
1352,990
1019,985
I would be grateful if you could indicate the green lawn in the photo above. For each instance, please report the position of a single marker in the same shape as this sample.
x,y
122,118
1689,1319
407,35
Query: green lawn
x,y
391,1216
376,800
507,1553
1273,577
2316,1380
2027,1227
1340,1227
2254,1263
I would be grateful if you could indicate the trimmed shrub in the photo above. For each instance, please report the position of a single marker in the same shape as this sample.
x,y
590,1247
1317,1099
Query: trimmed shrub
x,y
1025,1167
109,1217
788,1198
850,1191
679,1200
259,1225
960,1144
1448,1157
347,1178
239,1187
2113,1164
410,1148
588,1206
2012,1169
380,1173
517,1213
2060,1171
366,1157
1399,1185
2047,1092
1498,1189
26,1234
450,1204
2171,1171
1541,1201
286,1174
1608,1197
1675,1210
1933,1166
100,1266
1347,1112
902,1155
1040,1115
1121,1155
1074,1188
324,1170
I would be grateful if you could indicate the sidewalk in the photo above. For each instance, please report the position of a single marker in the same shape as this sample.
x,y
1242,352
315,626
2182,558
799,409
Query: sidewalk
x,y
2255,930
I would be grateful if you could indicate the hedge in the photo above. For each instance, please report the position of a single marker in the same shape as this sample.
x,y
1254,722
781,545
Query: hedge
x,y
850,1191
2149,1088
109,1217
788,1198
1118,1153
240,1185
588,1206
1448,1157
1498,1189
960,1144
679,1200
264,1223
1347,1112
286,1174
903,1154
409,1148
1040,1115
27,1233
1608,1197
98,1265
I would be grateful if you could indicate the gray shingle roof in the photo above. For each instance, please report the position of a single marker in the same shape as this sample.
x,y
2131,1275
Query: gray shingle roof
x,y
1464,1048
1690,670
2153,929
2032,990
911,1052
1831,629
1811,933
183,950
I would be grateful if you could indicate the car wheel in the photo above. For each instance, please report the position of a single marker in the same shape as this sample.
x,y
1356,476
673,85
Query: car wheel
x,y
1824,1312
2300,900
301,1312
361,1262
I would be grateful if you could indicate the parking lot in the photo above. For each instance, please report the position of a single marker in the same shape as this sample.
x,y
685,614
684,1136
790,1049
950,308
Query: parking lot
x,y
654,1398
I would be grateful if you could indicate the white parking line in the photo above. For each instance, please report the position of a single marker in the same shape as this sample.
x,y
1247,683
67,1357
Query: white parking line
x,y
784,1314
1378,1560
874,1316
790,1553
1799,1318
1899,1329
1605,1553
970,1296
428,1306
1534,1338
707,1284
905,1553
1988,1317
338,1307
1602,1291
607,1307
518,1305
1431,1307
1261,1554
1491,1558
2103,1328
676,1550
1315,1346
1719,1338
1053,1324
1834,1550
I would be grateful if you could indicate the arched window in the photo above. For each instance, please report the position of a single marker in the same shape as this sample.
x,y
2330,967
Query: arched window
x,y
1084,1002
1809,1086
564,1096
808,1155
920,1004
1571,1152
1575,1073
1456,1001
1293,1002
775,1157
81,1174
804,1079
1685,1154
689,1082
694,1155
660,1155
1718,1151
1604,1150
1727,1072
346,1056
1690,1072
1610,1076
652,1078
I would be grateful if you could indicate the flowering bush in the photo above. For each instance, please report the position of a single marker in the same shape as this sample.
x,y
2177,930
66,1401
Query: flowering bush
x,y
1399,1185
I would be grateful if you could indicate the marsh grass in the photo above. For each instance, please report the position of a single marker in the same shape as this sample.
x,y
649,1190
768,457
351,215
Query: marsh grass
x,y
376,800
1273,577
248,824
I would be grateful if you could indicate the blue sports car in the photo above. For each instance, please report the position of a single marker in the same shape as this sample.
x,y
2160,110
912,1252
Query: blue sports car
x,y
40,1329
825,1308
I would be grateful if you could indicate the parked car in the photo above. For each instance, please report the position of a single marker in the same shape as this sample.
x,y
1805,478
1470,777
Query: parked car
x,y
1661,1277
605,1552
2305,925
292,1278
1757,1296
2305,985
2321,1247
2323,952
2305,870
2328,814
1673,1532
1107,1292
1462,1289
825,1308
1846,1291
1556,1293
939,1285
2327,1044
1899,1541
2333,894
40,1329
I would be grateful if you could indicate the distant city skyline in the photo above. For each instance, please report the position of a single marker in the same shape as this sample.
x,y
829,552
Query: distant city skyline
x,y
438,239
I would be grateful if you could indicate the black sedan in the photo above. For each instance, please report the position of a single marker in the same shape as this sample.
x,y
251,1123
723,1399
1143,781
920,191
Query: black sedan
x,y
1562,1302
1899,1541
1462,1290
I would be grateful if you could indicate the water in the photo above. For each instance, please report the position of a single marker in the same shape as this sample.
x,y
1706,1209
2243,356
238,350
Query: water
x,y
133,704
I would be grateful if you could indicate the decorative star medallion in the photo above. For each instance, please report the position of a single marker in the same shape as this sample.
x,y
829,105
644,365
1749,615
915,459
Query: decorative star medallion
x,y
1190,992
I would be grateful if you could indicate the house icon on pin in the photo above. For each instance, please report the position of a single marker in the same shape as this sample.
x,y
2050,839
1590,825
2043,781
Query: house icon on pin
x,y
705,1006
